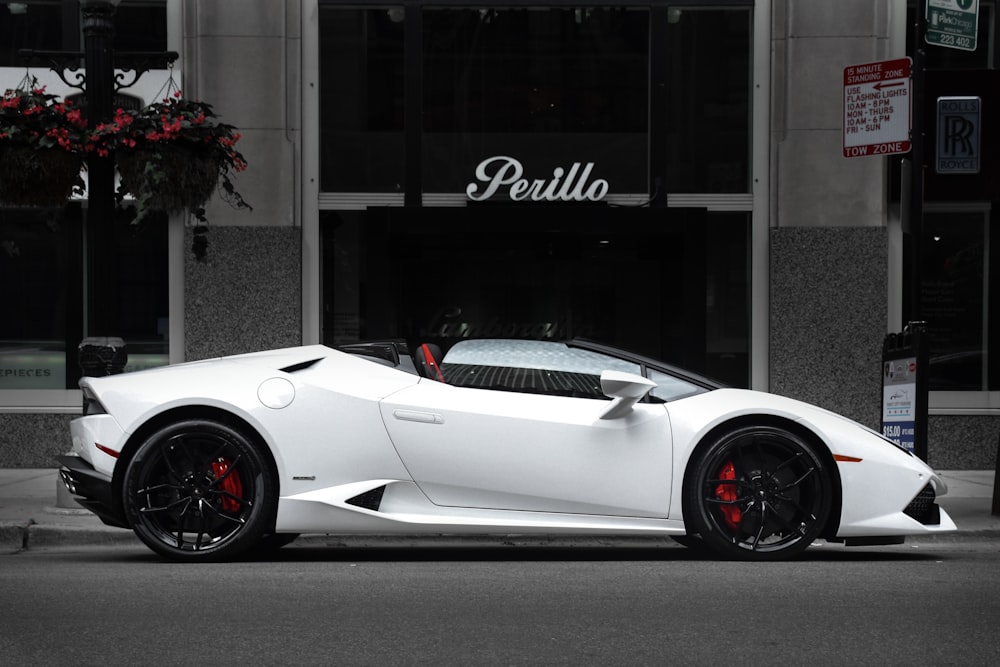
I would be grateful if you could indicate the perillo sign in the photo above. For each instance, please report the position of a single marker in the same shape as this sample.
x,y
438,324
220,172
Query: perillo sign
x,y
502,171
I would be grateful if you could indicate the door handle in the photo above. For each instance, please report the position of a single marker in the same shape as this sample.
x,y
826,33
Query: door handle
x,y
418,416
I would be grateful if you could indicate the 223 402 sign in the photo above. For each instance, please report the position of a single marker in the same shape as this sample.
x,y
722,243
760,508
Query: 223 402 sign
x,y
952,24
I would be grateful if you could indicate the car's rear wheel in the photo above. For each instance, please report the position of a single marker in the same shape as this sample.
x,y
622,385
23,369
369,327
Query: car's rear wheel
x,y
200,490
757,493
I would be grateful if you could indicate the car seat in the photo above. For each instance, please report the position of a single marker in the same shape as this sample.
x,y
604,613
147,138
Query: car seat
x,y
429,361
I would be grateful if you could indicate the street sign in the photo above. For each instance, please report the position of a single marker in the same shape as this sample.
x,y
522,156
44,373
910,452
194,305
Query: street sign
x,y
952,23
877,108
958,131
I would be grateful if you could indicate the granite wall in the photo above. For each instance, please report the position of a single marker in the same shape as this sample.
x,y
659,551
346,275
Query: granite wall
x,y
33,440
963,442
246,294
828,317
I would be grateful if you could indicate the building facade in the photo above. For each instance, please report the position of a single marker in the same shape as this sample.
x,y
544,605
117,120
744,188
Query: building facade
x,y
664,176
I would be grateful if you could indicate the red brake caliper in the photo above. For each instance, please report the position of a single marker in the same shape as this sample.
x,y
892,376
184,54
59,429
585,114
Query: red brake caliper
x,y
231,484
727,493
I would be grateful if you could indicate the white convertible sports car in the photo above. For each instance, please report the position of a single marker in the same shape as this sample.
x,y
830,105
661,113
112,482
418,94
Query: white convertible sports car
x,y
210,460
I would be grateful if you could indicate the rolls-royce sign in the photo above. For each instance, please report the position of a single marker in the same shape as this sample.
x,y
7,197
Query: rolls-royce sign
x,y
958,130
503,172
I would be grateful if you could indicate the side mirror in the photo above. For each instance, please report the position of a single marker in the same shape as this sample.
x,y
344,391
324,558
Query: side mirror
x,y
626,389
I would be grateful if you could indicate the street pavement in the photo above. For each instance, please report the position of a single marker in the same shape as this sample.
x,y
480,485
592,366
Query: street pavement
x,y
36,512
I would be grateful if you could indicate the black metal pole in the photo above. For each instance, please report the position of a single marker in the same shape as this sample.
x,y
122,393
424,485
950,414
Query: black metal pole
x,y
97,22
916,202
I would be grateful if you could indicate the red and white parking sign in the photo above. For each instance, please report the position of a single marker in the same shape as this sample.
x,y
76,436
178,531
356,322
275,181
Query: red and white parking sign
x,y
877,108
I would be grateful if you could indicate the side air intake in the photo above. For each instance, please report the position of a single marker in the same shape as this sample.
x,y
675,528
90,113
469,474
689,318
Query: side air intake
x,y
301,366
369,500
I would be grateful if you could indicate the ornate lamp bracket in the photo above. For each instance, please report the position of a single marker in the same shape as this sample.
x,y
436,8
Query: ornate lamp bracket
x,y
68,65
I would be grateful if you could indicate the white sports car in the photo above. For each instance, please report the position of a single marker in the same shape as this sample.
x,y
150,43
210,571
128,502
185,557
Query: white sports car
x,y
210,460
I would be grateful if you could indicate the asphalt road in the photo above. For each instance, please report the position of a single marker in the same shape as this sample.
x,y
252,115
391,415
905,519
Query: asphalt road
x,y
921,603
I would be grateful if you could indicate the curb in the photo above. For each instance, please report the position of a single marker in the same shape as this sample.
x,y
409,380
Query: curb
x,y
17,538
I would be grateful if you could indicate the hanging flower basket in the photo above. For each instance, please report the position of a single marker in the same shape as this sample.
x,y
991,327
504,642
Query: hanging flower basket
x,y
172,178
43,177
172,155
41,147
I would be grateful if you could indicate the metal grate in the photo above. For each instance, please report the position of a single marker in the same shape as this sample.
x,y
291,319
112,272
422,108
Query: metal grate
x,y
923,508
524,380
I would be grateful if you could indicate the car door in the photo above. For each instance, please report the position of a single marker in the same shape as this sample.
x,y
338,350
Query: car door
x,y
481,448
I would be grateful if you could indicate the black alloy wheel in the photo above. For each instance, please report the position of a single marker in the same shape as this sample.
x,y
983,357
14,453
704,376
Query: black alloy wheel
x,y
757,493
200,491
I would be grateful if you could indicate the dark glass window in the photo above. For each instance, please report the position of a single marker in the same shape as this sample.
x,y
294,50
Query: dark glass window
x,y
548,86
361,99
957,267
143,293
953,290
41,26
54,25
43,299
708,124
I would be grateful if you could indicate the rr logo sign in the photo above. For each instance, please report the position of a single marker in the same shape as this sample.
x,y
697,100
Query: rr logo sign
x,y
958,130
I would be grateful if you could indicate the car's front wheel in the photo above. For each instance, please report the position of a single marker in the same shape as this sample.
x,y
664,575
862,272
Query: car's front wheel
x,y
757,493
200,490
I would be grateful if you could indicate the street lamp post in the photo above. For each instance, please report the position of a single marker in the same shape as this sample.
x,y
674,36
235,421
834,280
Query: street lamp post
x,y
97,23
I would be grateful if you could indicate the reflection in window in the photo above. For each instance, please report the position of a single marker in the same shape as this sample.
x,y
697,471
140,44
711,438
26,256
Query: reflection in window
x,y
951,295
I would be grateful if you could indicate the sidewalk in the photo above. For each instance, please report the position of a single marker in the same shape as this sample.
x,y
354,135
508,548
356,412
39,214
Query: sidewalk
x,y
36,513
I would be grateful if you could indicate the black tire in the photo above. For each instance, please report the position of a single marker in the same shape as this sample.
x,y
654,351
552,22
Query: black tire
x,y
757,493
200,491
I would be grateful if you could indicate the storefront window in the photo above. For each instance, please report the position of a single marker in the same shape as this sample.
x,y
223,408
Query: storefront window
x,y
597,113
672,289
42,269
43,266
546,86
